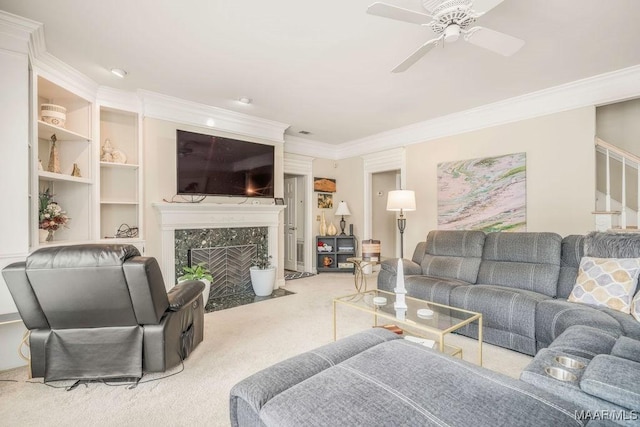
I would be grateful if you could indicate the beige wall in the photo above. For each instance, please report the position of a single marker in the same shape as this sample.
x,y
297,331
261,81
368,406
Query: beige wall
x,y
383,223
560,171
160,175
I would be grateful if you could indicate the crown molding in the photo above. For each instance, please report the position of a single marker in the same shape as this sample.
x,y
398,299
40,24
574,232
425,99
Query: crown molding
x,y
597,90
15,32
308,147
164,107
119,99
296,164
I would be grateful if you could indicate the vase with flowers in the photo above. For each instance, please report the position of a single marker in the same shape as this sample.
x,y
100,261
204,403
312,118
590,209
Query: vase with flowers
x,y
51,215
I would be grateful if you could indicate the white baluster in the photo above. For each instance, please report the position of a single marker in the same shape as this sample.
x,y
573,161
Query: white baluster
x,y
607,197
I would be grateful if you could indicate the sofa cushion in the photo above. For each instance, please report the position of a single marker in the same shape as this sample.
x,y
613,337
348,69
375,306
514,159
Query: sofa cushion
x,y
258,389
453,254
628,325
606,282
507,309
613,379
432,288
400,383
612,245
529,261
554,316
627,348
535,374
584,341
572,253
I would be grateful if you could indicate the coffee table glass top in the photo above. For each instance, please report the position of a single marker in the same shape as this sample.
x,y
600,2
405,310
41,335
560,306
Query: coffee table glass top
x,y
444,318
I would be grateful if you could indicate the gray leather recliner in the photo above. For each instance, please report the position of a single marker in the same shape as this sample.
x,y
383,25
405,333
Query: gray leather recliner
x,y
102,311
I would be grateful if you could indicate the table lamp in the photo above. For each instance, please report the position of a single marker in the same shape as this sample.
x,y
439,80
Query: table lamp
x,y
401,200
343,210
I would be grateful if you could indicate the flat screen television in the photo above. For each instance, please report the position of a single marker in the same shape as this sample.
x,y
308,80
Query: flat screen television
x,y
215,166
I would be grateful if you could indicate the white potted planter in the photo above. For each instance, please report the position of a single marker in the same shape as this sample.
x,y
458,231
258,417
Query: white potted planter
x,y
263,280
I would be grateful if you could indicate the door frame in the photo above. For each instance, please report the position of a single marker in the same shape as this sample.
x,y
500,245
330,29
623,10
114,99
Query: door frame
x,y
288,208
383,161
295,164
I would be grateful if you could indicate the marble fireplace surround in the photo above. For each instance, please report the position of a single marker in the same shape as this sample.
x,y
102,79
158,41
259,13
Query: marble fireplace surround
x,y
187,216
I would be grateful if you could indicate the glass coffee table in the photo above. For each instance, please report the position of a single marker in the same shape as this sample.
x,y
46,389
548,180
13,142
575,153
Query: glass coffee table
x,y
435,320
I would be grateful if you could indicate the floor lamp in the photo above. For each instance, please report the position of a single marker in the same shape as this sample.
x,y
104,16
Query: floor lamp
x,y
401,200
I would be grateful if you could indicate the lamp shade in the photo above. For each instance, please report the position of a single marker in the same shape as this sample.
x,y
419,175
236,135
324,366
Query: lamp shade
x,y
343,209
401,200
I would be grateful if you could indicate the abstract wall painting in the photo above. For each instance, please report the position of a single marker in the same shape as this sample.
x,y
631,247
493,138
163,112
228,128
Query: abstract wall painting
x,y
487,194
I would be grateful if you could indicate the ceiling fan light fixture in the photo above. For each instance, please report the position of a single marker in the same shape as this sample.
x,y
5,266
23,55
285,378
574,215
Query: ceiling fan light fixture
x,y
452,33
119,72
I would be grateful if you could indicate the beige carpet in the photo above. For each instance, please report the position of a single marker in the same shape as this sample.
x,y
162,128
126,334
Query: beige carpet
x,y
238,342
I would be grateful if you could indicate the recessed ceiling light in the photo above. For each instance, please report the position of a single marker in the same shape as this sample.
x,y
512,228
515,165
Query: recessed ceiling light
x,y
245,100
119,72
305,132
211,122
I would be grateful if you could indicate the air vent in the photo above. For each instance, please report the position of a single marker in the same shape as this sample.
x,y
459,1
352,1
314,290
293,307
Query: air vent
x,y
305,132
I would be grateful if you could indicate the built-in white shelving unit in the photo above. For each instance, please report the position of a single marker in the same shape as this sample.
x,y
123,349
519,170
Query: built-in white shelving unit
x,y
120,182
75,147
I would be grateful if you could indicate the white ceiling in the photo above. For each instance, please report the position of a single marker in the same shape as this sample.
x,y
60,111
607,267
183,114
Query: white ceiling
x,y
324,65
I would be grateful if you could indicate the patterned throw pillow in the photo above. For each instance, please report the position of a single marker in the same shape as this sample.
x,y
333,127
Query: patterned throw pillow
x,y
635,306
606,282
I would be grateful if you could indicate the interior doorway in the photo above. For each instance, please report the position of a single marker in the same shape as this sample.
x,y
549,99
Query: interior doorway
x,y
294,222
383,222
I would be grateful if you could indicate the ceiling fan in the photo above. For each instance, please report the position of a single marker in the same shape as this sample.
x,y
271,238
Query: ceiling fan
x,y
449,19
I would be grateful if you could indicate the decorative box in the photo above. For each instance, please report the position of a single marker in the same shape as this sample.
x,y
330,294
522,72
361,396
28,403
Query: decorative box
x,y
53,114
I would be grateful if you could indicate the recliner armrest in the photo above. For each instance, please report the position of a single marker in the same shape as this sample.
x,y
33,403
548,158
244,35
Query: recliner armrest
x,y
184,293
410,267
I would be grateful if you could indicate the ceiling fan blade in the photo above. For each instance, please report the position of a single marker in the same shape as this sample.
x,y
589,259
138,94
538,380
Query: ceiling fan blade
x,y
393,12
494,41
483,6
415,56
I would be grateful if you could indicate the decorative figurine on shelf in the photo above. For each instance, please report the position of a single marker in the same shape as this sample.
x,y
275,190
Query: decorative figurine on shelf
x,y
323,226
332,230
107,151
112,155
40,167
54,159
76,171
400,305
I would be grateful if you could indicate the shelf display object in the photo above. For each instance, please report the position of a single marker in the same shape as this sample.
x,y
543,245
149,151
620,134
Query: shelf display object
x,y
119,174
332,253
63,143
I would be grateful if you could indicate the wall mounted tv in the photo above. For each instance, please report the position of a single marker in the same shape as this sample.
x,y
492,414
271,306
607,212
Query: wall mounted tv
x,y
215,166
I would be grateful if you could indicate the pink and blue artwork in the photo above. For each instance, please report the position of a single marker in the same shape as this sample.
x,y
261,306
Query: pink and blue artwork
x,y
487,194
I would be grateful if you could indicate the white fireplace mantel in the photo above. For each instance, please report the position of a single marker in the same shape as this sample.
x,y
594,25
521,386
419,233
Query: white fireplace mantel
x,y
186,216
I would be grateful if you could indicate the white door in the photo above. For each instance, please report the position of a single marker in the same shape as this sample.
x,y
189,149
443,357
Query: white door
x,y
290,235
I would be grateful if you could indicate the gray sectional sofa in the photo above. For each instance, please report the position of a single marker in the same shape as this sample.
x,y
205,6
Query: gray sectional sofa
x,y
520,282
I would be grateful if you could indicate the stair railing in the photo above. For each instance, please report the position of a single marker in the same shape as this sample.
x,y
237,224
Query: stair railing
x,y
627,160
